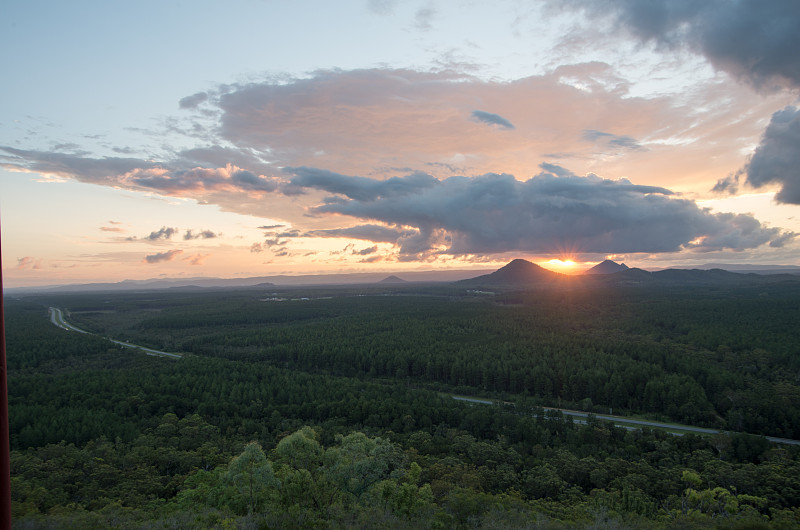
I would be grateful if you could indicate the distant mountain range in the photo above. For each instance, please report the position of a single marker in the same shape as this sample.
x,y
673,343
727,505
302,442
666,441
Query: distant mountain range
x,y
755,269
517,273
256,281
521,273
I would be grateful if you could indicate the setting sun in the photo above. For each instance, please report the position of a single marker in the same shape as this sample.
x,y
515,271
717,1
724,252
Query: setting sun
x,y
566,266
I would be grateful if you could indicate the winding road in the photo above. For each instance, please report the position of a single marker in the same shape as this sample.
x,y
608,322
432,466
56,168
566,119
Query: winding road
x,y
57,318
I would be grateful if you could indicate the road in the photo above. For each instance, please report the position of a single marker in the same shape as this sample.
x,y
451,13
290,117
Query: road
x,y
57,318
630,423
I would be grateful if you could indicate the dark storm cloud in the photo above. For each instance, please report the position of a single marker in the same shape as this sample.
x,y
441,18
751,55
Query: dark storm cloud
x,y
369,232
162,233
777,158
613,140
753,40
162,256
492,119
555,211
360,188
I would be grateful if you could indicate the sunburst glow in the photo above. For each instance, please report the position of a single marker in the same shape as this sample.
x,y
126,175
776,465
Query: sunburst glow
x,y
563,264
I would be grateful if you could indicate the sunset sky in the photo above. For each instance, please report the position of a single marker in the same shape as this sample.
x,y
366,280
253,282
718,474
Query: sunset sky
x,y
248,138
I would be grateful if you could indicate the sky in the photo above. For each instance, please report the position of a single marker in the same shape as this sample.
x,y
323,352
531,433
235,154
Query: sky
x,y
178,139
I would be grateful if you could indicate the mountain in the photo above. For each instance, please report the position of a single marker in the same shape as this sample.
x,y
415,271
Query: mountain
x,y
518,272
431,276
718,277
392,279
748,268
607,267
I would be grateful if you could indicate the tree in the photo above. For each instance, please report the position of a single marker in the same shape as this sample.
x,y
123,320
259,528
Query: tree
x,y
251,475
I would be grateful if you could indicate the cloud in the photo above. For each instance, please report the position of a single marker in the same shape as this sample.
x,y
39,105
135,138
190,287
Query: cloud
x,y
90,170
492,119
777,158
423,19
728,185
162,256
28,262
198,180
172,177
256,248
196,259
366,251
111,229
381,7
553,212
752,40
193,101
368,232
360,188
371,122
162,234
203,234
613,140
366,122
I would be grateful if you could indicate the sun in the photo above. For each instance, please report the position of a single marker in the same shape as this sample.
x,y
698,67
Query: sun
x,y
565,264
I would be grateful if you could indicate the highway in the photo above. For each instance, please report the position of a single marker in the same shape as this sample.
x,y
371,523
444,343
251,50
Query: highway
x,y
630,423
57,318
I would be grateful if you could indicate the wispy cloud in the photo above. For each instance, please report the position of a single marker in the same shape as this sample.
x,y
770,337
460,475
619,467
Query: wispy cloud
x,y
492,119
202,234
28,263
161,234
196,259
162,256
610,139
368,232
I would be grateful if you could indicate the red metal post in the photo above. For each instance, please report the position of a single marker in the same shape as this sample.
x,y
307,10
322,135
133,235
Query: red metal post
x,y
5,448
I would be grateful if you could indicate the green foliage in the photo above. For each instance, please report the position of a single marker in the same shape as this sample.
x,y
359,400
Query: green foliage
x,y
326,412
251,476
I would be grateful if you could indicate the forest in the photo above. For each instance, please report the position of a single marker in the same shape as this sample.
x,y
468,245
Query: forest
x,y
333,407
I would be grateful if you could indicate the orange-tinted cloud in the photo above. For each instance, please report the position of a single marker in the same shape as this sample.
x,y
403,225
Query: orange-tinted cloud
x,y
162,256
196,259
28,263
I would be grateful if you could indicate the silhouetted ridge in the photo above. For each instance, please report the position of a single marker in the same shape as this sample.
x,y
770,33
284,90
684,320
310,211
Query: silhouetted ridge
x,y
518,272
392,279
607,267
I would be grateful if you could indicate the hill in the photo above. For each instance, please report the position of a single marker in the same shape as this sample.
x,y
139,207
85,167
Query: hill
x,y
607,267
518,272
392,279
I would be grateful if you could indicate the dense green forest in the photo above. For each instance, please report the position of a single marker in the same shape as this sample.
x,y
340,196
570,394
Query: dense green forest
x,y
332,407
